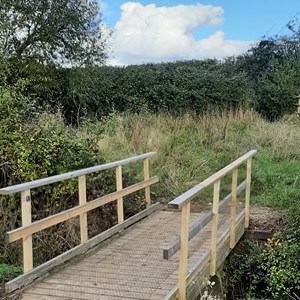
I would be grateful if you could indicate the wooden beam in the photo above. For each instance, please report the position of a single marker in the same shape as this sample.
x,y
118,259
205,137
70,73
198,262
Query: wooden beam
x,y
25,231
233,207
174,246
214,228
200,270
82,201
27,240
193,192
184,238
45,181
119,184
248,188
146,177
43,269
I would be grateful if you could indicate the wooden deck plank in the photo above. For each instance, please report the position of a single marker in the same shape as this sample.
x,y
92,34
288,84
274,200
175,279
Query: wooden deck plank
x,y
130,267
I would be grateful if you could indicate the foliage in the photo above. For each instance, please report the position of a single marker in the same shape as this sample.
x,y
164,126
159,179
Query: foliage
x,y
176,88
8,272
279,267
52,31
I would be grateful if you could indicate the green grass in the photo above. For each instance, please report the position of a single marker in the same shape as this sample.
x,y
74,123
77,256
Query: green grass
x,y
8,272
189,149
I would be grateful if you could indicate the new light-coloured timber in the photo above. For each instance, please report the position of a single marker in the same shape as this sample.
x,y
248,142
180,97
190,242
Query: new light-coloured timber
x,y
171,249
248,188
233,207
27,241
193,192
25,231
214,229
146,177
43,269
82,201
119,184
45,181
185,221
200,270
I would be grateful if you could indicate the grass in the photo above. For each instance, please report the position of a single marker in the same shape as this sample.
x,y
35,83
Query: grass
x,y
8,272
190,148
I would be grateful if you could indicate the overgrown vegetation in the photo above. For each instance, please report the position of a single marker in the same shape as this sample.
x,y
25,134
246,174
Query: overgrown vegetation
x,y
61,111
270,270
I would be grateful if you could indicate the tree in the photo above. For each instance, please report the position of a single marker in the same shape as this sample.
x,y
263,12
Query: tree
x,y
65,32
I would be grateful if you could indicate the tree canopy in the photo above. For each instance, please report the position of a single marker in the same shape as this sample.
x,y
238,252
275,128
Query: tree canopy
x,y
53,31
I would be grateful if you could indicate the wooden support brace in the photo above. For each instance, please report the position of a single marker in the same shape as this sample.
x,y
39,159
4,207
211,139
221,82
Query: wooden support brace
x,y
27,241
184,238
146,177
214,229
119,183
233,207
248,187
82,201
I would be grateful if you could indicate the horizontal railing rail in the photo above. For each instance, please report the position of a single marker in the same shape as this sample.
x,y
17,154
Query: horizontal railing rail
x,y
28,228
49,180
183,202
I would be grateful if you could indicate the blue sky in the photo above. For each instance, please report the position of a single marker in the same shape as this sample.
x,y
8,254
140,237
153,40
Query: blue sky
x,y
147,31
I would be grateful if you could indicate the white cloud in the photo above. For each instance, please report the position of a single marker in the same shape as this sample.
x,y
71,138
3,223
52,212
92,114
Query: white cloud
x,y
153,34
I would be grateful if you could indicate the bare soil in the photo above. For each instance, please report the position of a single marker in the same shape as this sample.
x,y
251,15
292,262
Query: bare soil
x,y
266,218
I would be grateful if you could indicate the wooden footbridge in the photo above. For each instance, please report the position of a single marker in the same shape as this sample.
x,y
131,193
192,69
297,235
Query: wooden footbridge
x,y
156,254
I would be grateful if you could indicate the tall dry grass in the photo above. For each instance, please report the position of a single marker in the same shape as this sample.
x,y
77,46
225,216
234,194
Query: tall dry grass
x,y
191,148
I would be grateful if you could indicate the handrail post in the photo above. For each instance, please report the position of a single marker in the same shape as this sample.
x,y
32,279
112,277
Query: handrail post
x,y
27,241
214,228
248,187
146,177
119,184
184,238
233,207
82,201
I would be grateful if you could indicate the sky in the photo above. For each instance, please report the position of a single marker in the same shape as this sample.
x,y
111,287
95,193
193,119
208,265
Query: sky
x,y
169,30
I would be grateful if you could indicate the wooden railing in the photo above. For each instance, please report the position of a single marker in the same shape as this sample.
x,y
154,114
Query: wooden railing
x,y
28,228
183,202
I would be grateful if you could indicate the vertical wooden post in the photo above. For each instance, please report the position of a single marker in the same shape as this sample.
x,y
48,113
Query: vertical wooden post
x,y
214,228
183,255
248,187
119,183
83,217
233,207
26,220
146,177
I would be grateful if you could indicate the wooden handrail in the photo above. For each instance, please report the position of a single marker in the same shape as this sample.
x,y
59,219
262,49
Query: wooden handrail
x,y
183,202
180,201
37,226
28,228
49,180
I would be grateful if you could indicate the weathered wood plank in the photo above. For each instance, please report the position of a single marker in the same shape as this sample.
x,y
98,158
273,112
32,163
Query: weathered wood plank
x,y
43,269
